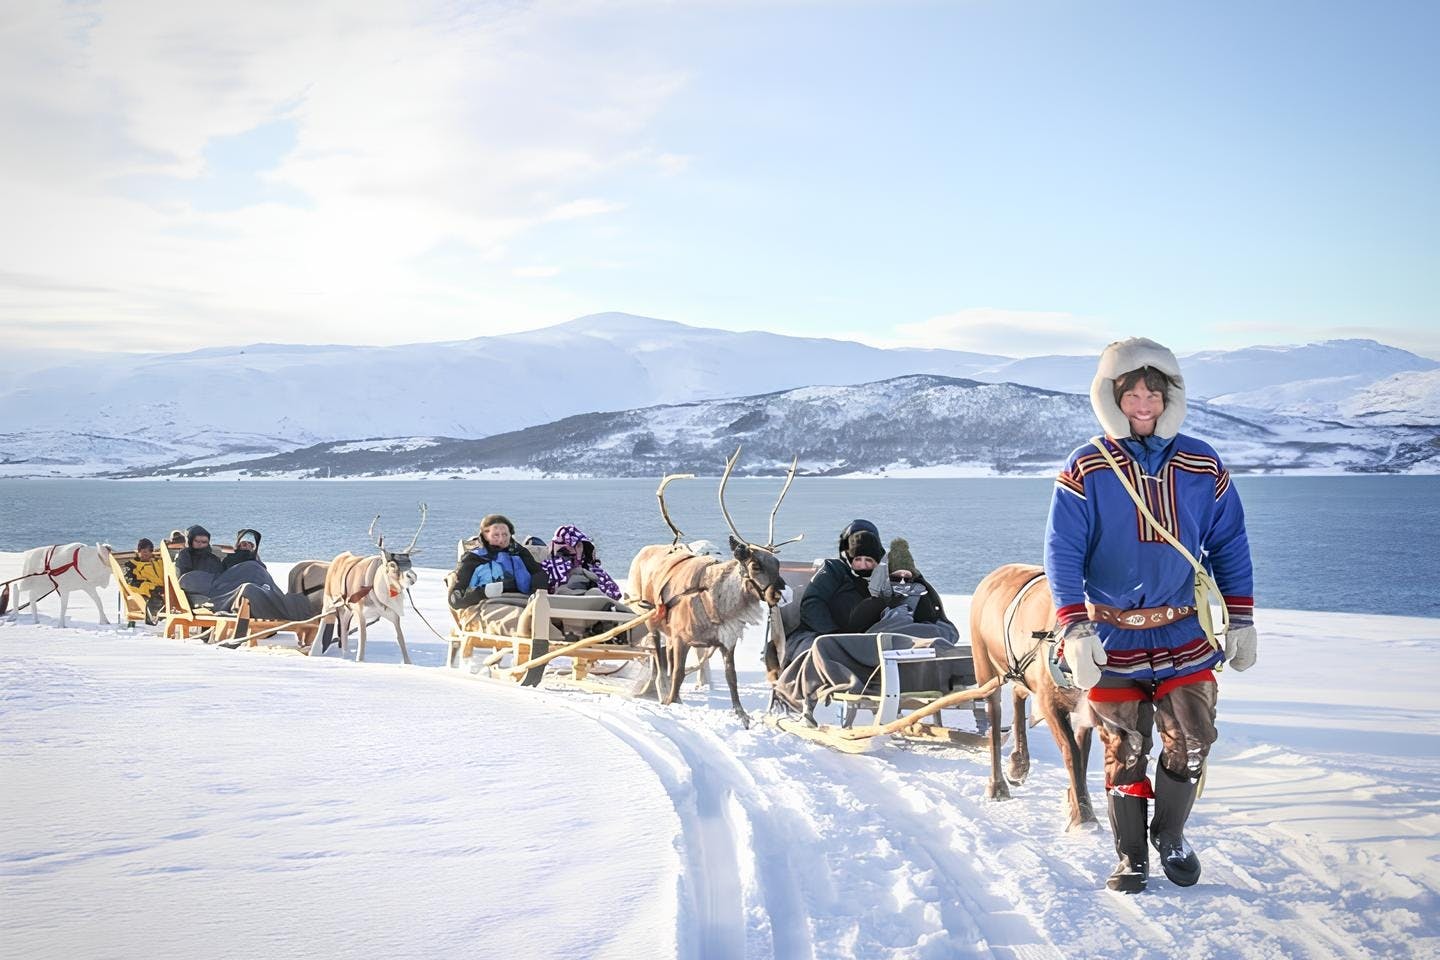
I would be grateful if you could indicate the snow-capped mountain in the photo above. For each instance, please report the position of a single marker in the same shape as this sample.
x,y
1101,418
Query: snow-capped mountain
x,y
1276,378
86,413
1411,398
907,425
469,388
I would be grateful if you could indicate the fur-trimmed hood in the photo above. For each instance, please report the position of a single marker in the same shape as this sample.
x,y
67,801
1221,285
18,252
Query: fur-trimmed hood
x,y
1120,358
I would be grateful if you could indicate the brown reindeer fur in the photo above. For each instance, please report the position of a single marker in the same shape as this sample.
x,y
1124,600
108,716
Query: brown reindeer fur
x,y
701,602
1065,710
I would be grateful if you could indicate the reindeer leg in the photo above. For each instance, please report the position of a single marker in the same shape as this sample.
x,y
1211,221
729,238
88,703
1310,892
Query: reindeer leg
x,y
729,655
662,664
1020,756
400,639
678,652
772,651
64,602
360,646
997,789
99,608
1080,736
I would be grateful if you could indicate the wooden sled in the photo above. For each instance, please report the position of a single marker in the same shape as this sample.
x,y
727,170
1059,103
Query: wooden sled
x,y
181,618
573,617
909,715
132,603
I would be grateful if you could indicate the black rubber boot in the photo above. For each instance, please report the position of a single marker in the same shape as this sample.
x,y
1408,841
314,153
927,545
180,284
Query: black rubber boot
x,y
1174,796
1127,820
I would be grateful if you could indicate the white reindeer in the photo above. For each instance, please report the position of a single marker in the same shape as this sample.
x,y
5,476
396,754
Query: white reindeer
x,y
387,576
63,569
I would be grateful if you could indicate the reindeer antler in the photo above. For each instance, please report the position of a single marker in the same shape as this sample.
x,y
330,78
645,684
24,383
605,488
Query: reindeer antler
x,y
725,478
380,544
424,512
771,545
660,495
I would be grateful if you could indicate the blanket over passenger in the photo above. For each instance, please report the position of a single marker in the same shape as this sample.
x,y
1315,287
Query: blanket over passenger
x,y
248,580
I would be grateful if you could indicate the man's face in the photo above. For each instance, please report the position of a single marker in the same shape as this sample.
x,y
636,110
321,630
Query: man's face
x,y
497,535
202,543
862,564
1142,406
145,553
246,545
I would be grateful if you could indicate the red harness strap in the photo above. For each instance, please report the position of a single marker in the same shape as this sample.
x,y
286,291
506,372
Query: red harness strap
x,y
74,564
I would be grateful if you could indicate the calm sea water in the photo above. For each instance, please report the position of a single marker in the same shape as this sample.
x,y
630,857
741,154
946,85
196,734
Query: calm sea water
x,y
1362,544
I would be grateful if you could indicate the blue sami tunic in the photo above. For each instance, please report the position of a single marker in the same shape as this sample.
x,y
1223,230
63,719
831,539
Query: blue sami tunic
x,y
1098,547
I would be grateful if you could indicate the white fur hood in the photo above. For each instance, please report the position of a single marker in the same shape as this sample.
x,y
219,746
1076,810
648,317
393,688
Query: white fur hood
x,y
1120,358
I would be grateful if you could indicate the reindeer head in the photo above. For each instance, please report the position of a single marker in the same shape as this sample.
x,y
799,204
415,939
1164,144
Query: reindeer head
x,y
760,570
397,565
760,566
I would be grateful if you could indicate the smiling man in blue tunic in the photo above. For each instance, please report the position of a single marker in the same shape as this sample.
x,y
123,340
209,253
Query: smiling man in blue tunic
x,y
1126,598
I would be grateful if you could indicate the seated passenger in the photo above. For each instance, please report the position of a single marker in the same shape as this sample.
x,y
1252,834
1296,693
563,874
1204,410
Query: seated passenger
x,y
493,582
247,547
848,660
910,605
836,598
573,567
144,574
197,554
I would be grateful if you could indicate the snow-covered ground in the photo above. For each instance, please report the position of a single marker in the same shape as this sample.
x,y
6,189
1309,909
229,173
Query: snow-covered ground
x,y
165,799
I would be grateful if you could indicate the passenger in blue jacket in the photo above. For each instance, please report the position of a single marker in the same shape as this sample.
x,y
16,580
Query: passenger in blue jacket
x,y
1125,599
494,580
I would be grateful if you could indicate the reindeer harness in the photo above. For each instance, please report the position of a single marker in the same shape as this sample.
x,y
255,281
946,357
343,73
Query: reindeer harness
x,y
680,599
54,572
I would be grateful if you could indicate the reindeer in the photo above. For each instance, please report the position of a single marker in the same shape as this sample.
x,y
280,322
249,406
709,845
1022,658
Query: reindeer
x,y
1011,615
63,569
387,575
704,602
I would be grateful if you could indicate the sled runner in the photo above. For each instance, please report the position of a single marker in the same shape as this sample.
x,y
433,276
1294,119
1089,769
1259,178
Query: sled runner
x,y
909,714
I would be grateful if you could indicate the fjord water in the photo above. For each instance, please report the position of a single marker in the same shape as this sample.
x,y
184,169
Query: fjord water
x,y
1365,544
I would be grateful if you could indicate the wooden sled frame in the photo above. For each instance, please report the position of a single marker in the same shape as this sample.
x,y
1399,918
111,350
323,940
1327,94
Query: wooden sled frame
x,y
181,618
914,715
566,612
132,605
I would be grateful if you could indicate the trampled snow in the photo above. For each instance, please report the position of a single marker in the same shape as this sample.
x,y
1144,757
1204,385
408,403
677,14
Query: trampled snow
x,y
167,799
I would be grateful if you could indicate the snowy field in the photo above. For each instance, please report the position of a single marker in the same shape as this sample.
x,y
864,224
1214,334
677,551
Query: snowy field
x,y
166,799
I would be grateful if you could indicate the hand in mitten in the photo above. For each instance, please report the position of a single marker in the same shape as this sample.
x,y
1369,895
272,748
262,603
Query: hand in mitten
x,y
1084,654
494,589
880,580
1240,642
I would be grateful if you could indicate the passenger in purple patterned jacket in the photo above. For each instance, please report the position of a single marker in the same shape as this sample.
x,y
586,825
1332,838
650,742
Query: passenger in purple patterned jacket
x,y
573,566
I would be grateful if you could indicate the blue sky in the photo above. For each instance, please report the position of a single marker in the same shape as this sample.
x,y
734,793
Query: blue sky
x,y
1009,177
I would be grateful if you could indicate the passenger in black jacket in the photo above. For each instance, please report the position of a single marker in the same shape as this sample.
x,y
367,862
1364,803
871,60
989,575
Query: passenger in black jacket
x,y
247,547
197,554
836,599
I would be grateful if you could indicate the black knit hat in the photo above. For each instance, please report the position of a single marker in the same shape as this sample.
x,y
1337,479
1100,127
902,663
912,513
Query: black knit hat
x,y
864,544
855,526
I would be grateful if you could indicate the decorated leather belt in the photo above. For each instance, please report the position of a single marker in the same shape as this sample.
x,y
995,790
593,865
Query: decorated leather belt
x,y
1143,619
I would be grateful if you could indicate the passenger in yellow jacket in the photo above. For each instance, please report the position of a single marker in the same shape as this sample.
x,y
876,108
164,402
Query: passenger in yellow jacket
x,y
144,574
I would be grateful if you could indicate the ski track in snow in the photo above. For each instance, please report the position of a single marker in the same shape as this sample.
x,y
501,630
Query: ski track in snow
x,y
790,850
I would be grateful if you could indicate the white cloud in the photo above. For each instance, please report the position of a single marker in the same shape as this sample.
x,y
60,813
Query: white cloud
x,y
1008,332
465,132
536,272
